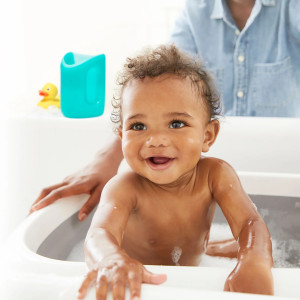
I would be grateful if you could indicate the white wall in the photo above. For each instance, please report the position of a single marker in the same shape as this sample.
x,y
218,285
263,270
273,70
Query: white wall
x,y
35,35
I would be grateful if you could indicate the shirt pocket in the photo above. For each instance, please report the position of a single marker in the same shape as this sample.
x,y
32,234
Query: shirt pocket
x,y
274,86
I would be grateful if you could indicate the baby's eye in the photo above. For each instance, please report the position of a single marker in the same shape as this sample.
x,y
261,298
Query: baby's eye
x,y
177,124
138,126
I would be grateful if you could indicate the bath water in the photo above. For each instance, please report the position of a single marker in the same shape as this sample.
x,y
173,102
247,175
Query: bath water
x,y
285,253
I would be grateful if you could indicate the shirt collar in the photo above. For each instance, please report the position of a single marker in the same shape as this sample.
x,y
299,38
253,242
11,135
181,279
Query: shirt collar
x,y
218,10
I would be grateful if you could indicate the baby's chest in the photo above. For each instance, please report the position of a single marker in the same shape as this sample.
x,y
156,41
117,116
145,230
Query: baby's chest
x,y
166,222
166,237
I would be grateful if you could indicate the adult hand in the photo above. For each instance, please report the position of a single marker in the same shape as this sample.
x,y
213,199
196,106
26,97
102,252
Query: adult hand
x,y
89,180
116,274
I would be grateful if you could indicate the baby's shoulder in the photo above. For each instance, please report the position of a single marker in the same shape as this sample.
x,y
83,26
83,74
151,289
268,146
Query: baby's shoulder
x,y
126,179
215,166
212,161
219,172
121,189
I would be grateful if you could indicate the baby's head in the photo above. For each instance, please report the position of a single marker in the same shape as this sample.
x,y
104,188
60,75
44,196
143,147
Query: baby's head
x,y
166,113
168,61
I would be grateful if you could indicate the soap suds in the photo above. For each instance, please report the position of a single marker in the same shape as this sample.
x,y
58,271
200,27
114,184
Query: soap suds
x,y
176,254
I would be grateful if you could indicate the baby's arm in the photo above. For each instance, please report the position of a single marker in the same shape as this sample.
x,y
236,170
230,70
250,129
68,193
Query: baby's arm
x,y
109,264
252,273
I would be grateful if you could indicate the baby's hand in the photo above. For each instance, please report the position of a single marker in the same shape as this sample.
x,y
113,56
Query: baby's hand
x,y
251,277
117,275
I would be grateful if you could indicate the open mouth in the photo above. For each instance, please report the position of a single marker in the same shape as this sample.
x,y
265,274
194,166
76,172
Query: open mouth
x,y
159,162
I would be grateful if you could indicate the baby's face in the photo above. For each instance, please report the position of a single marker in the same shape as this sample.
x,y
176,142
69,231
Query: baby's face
x,y
164,128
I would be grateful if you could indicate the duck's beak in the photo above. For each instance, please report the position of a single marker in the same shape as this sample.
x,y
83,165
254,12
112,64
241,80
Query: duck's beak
x,y
43,93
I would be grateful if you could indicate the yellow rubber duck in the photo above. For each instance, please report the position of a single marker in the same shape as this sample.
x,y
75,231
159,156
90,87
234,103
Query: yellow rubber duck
x,y
49,92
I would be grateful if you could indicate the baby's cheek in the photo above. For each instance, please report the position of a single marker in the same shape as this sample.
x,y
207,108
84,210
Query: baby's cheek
x,y
130,152
193,144
193,150
127,150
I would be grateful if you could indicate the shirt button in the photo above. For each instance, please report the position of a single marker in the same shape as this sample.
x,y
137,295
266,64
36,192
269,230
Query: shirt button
x,y
241,58
237,32
240,94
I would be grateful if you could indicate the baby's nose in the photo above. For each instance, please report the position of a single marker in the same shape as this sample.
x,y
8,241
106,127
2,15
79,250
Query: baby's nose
x,y
157,140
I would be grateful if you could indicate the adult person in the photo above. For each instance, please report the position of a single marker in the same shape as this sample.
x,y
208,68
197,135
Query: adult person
x,y
254,49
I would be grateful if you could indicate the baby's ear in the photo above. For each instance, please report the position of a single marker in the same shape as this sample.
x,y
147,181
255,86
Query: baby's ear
x,y
119,132
211,133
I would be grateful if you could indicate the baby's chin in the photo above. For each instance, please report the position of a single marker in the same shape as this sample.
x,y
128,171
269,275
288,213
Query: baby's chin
x,y
163,180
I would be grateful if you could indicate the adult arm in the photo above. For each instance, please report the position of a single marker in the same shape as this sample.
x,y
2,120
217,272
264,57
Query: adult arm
x,y
90,180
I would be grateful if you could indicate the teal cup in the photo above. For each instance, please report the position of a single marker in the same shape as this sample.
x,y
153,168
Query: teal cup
x,y
82,85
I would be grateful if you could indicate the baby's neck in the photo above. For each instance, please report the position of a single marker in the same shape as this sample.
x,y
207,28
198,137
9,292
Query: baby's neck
x,y
185,183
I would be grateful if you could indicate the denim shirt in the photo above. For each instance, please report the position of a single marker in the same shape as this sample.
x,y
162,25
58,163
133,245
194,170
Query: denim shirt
x,y
257,69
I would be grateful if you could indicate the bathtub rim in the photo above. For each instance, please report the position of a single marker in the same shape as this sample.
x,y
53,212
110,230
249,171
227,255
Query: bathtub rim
x,y
25,260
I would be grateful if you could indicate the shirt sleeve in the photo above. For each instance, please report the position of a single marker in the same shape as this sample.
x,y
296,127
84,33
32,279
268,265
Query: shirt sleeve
x,y
181,34
294,18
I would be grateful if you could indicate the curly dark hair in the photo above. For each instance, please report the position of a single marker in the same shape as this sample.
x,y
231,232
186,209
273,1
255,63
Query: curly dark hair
x,y
168,59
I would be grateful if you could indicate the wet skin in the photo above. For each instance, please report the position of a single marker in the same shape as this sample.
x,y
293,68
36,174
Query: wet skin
x,y
167,202
182,222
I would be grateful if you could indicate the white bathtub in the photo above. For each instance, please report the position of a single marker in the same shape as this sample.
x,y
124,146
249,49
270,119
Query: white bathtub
x,y
42,150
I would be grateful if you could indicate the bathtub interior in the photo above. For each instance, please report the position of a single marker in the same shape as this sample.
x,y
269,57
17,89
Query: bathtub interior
x,y
40,260
42,150
281,215
49,243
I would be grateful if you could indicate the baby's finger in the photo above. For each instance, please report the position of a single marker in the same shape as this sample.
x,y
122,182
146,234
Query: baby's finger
x,y
149,277
118,287
87,282
101,287
135,284
90,204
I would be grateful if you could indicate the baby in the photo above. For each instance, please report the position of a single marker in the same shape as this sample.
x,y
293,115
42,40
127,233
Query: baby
x,y
161,211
